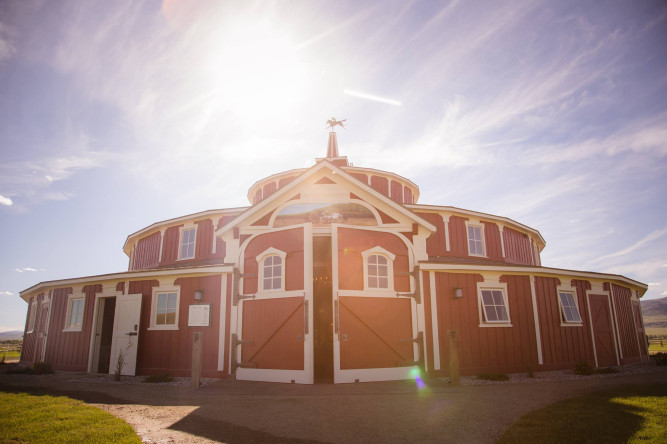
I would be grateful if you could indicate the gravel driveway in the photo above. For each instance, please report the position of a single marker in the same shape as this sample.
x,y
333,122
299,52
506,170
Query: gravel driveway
x,y
386,412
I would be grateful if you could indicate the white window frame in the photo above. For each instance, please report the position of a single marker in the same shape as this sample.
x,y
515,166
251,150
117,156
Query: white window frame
x,y
164,290
270,252
390,268
32,315
502,287
71,299
182,230
480,226
563,320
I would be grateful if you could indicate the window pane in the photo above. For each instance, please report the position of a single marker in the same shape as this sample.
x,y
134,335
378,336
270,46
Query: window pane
x,y
373,259
171,305
171,318
160,319
372,282
383,283
498,298
502,313
487,297
381,259
382,270
268,272
575,315
372,270
161,302
277,270
490,314
276,283
267,283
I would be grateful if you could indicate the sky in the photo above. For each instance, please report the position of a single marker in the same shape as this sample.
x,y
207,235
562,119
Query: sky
x,y
116,115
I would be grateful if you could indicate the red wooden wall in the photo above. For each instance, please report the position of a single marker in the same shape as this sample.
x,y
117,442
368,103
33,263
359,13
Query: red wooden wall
x,y
147,252
290,241
352,242
517,247
626,324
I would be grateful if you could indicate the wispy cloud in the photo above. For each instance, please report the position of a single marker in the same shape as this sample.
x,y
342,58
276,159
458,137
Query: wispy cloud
x,y
7,49
6,293
6,201
24,269
650,238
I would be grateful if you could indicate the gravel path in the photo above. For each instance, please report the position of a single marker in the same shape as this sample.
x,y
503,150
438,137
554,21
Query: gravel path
x,y
387,412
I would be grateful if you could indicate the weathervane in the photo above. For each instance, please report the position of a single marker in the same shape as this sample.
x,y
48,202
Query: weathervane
x,y
333,122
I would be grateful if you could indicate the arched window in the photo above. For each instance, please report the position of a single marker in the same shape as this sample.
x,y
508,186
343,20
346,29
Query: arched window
x,y
271,264
378,269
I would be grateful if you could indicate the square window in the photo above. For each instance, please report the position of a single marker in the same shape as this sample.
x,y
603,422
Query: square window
x,y
74,316
475,240
166,309
187,249
494,306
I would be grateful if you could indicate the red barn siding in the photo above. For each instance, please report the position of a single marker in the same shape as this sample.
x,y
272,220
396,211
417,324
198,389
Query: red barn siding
x,y
268,189
428,327
562,346
436,242
498,349
170,351
494,249
284,181
396,191
626,324
360,177
68,351
408,197
28,346
517,247
457,237
258,197
380,184
147,252
352,242
290,241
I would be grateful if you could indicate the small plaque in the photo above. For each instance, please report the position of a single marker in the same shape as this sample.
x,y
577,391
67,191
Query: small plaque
x,y
200,315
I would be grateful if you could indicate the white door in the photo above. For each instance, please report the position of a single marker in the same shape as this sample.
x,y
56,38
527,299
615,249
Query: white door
x,y
125,334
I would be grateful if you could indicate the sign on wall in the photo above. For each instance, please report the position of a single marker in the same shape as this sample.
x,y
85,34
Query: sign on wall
x,y
199,315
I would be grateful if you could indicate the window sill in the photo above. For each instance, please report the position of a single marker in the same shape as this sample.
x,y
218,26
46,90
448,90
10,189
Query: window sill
x,y
163,327
572,324
483,256
495,325
72,330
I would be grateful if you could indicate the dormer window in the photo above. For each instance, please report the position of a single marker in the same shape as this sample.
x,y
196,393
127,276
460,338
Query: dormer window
x,y
475,240
271,264
187,243
378,269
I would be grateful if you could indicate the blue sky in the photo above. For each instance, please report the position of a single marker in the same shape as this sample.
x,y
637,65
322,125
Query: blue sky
x,y
115,115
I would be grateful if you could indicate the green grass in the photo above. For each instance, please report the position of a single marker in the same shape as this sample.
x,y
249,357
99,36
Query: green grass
x,y
632,414
49,419
656,348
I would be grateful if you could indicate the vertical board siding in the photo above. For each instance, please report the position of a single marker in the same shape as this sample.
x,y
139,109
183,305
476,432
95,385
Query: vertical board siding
x,y
457,237
498,349
147,252
285,180
68,351
494,249
268,189
28,346
352,242
170,245
517,247
380,184
408,197
626,324
396,191
360,177
562,346
428,327
291,242
436,242
170,351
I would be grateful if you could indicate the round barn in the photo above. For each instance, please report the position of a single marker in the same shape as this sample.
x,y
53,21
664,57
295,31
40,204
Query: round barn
x,y
334,273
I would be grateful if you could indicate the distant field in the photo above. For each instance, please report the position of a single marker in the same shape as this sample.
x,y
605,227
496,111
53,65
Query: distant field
x,y
656,325
10,355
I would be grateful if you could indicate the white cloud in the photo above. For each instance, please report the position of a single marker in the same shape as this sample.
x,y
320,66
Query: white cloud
x,y
7,49
24,269
647,239
664,293
653,284
6,293
5,201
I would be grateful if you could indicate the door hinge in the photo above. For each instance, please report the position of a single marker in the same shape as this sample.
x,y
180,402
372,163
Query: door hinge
x,y
236,363
236,296
419,340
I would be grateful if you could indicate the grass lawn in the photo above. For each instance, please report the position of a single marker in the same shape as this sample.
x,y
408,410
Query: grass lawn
x,y
632,414
11,354
49,419
655,348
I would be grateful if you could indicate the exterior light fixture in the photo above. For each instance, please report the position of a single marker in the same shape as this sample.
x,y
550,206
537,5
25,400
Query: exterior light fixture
x,y
199,295
458,292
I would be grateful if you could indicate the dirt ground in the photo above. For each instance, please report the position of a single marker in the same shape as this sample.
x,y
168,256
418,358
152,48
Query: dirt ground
x,y
254,412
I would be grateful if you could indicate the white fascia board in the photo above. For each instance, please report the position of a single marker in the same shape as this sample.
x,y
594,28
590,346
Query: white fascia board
x,y
178,220
483,216
537,271
128,275
252,190
365,189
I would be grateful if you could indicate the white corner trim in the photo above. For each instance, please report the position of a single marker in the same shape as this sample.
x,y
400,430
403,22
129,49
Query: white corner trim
x,y
501,227
445,219
434,321
536,319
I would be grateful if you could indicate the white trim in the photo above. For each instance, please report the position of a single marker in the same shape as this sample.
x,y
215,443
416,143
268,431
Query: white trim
x,y
70,302
375,374
162,231
492,285
261,257
634,323
502,238
46,302
181,230
615,320
480,226
536,319
445,219
379,251
434,322
573,291
32,315
537,271
222,327
154,297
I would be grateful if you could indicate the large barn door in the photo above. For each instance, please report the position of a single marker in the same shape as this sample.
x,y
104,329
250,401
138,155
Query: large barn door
x,y
273,340
603,331
375,332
